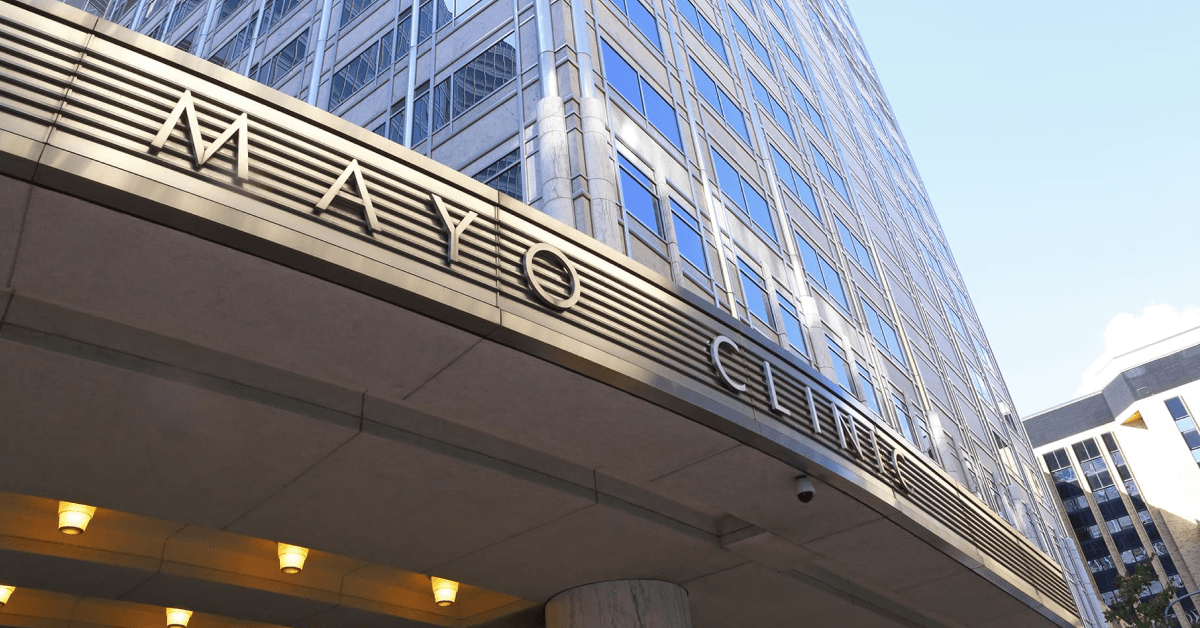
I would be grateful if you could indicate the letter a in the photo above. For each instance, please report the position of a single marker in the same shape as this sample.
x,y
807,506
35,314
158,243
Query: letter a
x,y
368,208
187,107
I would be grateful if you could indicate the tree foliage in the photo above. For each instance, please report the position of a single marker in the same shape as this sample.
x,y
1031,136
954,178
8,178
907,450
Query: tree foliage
x,y
1129,606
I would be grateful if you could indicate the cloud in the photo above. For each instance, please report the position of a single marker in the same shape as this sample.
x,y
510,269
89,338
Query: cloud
x,y
1127,332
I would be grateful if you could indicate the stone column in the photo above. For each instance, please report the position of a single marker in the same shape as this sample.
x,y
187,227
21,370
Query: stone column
x,y
620,604
554,160
601,173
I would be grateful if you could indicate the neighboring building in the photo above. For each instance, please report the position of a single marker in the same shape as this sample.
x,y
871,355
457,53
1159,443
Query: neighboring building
x,y
1125,461
794,306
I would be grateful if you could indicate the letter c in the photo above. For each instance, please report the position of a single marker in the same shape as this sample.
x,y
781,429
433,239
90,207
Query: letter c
x,y
714,349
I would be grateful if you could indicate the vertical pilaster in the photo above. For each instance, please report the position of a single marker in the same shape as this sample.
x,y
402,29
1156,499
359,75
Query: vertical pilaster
x,y
620,604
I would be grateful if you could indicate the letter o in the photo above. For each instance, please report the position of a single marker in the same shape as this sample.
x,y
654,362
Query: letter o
x,y
535,283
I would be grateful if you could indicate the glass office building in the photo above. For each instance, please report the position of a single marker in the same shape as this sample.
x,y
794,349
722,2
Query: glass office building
x,y
742,149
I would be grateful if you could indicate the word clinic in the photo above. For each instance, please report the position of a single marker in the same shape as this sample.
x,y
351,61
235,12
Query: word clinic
x,y
847,427
238,130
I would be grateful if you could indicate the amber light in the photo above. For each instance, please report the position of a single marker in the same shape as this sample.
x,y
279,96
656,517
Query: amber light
x,y
178,617
291,558
74,518
444,591
5,593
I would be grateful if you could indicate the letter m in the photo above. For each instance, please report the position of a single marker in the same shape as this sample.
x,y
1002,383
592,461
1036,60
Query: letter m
x,y
186,108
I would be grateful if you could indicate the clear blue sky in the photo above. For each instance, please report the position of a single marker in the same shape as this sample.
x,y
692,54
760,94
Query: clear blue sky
x,y
1059,142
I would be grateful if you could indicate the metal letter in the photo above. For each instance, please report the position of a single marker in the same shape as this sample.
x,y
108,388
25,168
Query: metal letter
x,y
535,283
453,231
896,456
714,350
770,379
368,208
843,420
875,446
812,410
186,108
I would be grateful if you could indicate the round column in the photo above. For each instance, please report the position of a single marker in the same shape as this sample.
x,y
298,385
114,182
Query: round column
x,y
620,604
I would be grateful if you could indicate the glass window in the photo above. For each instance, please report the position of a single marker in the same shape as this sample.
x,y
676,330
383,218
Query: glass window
x,y
420,115
787,51
360,70
639,93
188,40
642,18
283,61
883,331
821,271
856,248
352,8
755,292
395,124
637,195
1186,425
707,31
715,96
981,386
868,389
228,54
903,419
181,12
829,173
478,79
228,8
688,237
955,320
795,182
754,42
743,195
275,11
841,367
791,324
504,175
768,102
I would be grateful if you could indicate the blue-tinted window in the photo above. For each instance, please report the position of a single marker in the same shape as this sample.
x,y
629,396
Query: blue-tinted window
x,y
753,41
275,11
188,40
639,93
868,389
813,114
688,238
283,61
743,195
360,70
841,367
504,175
181,12
856,248
352,8
755,292
478,79
715,96
883,331
395,123
1186,425
707,31
830,174
228,53
403,32
228,8
420,114
955,321
637,195
768,102
934,264
821,271
903,419
791,324
789,53
794,181
642,18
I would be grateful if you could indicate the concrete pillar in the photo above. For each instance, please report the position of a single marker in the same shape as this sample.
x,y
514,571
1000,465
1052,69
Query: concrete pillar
x,y
554,160
620,604
601,174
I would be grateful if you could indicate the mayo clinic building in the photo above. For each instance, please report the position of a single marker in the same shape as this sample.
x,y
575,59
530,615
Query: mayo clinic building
x,y
371,314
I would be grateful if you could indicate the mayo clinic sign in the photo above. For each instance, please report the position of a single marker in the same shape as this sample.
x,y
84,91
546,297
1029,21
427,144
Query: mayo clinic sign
x,y
237,132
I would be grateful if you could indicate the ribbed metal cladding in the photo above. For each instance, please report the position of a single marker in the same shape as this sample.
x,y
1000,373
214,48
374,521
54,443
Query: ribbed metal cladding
x,y
85,103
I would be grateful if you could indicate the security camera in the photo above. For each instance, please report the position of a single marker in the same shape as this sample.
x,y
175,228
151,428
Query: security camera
x,y
805,489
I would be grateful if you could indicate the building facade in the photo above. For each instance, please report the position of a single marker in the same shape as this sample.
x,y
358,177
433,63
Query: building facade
x,y
789,279
1124,463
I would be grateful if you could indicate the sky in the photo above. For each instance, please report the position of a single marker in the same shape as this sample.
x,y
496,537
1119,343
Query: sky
x,y
1059,141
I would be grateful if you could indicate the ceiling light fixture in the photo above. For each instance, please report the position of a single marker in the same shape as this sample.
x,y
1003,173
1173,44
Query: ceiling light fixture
x,y
5,593
74,518
291,558
178,617
444,591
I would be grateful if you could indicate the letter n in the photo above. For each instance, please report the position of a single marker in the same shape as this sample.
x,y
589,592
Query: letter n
x,y
186,108
368,208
